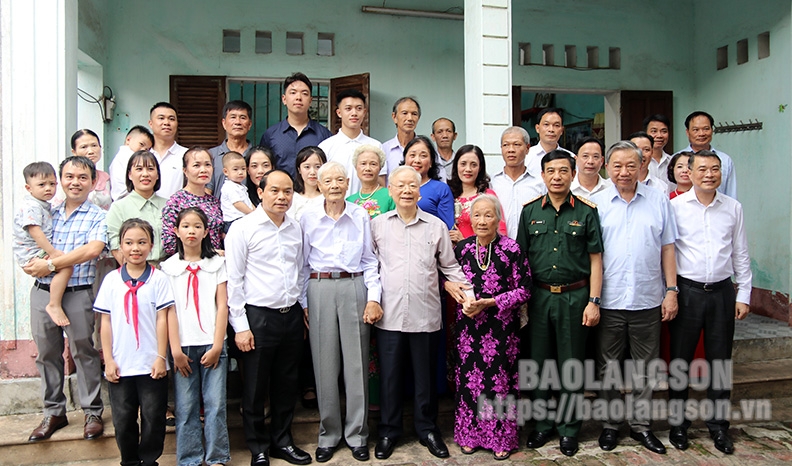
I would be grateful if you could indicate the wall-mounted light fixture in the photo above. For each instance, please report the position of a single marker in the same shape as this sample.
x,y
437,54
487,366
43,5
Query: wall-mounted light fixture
x,y
416,13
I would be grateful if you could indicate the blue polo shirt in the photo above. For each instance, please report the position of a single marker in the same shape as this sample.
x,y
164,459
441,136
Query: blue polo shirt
x,y
284,141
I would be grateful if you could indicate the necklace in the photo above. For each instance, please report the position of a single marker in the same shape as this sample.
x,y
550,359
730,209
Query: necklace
x,y
366,198
488,257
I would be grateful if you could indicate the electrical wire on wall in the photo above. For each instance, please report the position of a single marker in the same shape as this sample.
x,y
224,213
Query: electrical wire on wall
x,y
91,99
106,102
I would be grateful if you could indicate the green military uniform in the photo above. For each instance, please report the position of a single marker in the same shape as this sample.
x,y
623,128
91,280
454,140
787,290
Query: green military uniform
x,y
558,244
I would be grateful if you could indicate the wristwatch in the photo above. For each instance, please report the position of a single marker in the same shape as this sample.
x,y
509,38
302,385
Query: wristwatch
x,y
596,300
50,265
672,288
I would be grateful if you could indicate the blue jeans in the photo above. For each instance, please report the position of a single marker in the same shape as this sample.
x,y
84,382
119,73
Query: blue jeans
x,y
209,385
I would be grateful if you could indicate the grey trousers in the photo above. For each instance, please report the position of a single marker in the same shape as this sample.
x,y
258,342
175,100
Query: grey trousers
x,y
78,306
642,330
335,314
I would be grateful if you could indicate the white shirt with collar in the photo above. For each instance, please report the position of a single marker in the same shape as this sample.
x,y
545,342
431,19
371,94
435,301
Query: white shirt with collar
x,y
579,190
171,173
656,183
340,148
534,158
660,170
342,245
264,264
729,174
712,244
394,153
513,194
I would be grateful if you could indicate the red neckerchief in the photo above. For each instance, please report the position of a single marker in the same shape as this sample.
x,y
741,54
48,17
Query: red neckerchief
x,y
193,280
131,295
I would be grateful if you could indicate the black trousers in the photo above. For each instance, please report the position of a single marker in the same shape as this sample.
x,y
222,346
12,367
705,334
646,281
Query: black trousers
x,y
393,348
151,397
712,311
271,368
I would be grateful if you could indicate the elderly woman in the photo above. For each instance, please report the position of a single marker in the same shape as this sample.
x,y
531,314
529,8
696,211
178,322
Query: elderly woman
x,y
679,173
436,197
368,160
487,329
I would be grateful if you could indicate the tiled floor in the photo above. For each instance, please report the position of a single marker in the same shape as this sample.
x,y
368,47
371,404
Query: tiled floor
x,y
755,327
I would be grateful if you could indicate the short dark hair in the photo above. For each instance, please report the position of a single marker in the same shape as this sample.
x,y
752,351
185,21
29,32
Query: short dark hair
x,y
304,154
263,182
354,93
453,125
482,180
642,134
588,140
145,157
698,113
702,153
83,132
207,250
131,223
297,77
36,169
401,100
140,129
237,105
558,154
434,169
659,117
78,161
674,159
162,104
547,110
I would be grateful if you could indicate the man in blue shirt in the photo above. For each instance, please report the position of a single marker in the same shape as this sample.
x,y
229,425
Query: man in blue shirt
x,y
298,130
699,127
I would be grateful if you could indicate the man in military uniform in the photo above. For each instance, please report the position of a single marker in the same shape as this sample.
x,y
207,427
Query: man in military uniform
x,y
561,235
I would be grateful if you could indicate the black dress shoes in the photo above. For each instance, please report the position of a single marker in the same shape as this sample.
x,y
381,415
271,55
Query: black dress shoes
x,y
324,454
259,460
384,448
679,438
569,445
291,454
722,441
434,443
538,439
360,453
649,441
608,439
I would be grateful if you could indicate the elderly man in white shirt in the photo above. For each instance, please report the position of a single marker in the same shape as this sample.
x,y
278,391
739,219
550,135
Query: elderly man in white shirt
x,y
589,162
515,184
413,248
712,246
638,232
264,257
342,295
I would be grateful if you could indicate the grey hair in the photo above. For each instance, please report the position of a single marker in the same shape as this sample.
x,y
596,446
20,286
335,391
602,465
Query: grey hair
x,y
368,148
518,129
331,166
403,168
624,145
490,198
405,99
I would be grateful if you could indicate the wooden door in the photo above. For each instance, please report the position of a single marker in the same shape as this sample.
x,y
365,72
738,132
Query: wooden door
x,y
199,102
355,81
637,105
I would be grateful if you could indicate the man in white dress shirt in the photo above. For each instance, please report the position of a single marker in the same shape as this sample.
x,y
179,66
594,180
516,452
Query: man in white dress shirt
x,y
164,124
658,126
589,161
638,232
339,148
711,247
342,294
264,256
699,128
406,113
645,144
550,129
515,185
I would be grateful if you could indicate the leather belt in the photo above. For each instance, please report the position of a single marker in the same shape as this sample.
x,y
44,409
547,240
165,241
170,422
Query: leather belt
x,y
69,289
726,282
335,275
282,310
563,288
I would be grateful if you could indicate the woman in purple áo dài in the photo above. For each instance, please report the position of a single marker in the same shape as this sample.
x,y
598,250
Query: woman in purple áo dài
x,y
488,344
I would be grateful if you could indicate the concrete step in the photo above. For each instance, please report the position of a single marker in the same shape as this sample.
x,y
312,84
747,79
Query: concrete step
x,y
759,339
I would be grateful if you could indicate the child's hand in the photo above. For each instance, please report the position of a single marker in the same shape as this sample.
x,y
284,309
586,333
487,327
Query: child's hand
x,y
111,371
158,369
211,358
182,363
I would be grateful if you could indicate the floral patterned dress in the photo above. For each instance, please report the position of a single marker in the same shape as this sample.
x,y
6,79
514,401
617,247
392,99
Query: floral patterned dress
x,y
488,344
183,199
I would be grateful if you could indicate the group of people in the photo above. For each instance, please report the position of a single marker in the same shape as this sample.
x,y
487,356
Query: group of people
x,y
334,256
